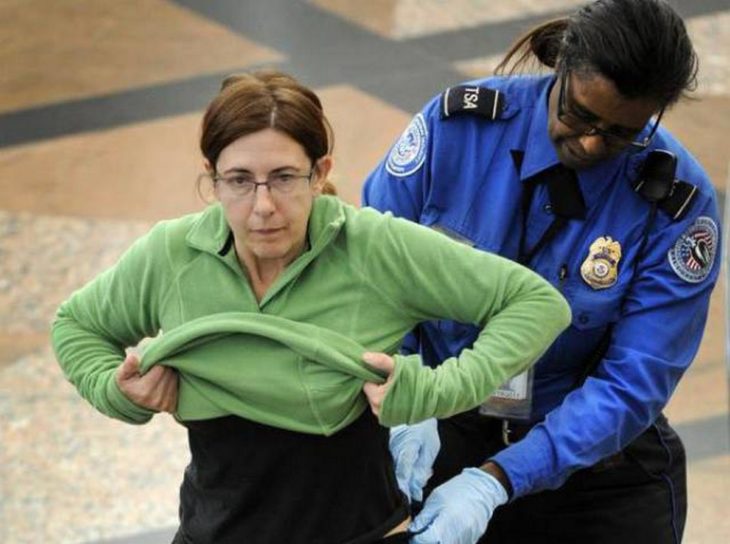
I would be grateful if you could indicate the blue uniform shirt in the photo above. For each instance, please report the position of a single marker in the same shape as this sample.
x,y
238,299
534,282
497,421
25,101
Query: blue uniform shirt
x,y
457,174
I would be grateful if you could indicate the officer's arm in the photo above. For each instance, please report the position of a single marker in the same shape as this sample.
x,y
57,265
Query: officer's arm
x,y
400,183
652,345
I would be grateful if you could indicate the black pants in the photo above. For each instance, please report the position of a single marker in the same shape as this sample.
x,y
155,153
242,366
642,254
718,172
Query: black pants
x,y
638,496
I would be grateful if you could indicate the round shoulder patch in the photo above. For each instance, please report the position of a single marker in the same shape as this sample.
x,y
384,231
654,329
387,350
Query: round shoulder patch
x,y
694,252
409,151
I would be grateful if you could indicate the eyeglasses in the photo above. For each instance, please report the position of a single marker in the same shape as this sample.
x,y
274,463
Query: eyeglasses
x,y
244,185
619,137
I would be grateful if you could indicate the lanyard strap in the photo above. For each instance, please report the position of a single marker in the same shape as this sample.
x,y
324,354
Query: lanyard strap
x,y
566,201
525,255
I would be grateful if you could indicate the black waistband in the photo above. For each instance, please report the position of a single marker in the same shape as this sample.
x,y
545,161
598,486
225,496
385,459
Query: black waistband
x,y
252,483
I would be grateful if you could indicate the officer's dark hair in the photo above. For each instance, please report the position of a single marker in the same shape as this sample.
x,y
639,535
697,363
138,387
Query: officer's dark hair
x,y
641,46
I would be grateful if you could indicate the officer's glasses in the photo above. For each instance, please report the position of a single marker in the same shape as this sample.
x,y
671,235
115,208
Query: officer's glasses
x,y
244,184
616,137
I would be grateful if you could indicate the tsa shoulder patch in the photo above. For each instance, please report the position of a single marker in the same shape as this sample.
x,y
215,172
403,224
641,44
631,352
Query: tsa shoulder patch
x,y
694,252
409,152
472,99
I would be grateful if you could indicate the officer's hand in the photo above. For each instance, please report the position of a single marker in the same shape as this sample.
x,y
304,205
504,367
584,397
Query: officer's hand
x,y
156,390
414,449
458,511
374,392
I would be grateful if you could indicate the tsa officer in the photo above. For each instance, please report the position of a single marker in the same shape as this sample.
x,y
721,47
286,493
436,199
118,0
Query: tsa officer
x,y
571,174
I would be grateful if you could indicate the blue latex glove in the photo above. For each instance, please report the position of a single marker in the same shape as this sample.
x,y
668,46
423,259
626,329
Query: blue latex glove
x,y
458,511
414,449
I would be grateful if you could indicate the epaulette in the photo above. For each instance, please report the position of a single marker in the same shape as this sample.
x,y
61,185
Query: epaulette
x,y
656,183
472,99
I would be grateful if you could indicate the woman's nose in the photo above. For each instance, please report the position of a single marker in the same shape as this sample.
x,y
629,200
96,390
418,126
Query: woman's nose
x,y
263,203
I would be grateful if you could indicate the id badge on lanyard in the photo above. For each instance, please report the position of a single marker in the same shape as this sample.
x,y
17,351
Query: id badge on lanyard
x,y
512,400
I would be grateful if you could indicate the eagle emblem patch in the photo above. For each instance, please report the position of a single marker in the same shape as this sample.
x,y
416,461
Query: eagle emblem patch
x,y
409,152
693,254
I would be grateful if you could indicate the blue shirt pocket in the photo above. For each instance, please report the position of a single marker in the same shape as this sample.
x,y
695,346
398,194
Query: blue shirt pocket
x,y
593,308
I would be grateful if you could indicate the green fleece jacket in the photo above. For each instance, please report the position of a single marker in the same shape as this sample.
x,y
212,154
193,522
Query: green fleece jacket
x,y
293,360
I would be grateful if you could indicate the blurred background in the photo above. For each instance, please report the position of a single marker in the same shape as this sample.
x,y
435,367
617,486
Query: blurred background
x,y
100,104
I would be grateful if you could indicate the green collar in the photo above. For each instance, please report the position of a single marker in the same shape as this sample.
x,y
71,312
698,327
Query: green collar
x,y
210,232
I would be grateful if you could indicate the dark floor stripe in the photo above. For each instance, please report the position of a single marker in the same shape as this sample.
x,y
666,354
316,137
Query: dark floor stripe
x,y
322,49
108,111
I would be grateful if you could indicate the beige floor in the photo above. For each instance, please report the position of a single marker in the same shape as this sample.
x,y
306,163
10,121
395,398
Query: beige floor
x,y
70,205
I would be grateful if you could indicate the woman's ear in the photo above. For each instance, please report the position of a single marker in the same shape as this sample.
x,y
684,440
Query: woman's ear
x,y
211,185
322,169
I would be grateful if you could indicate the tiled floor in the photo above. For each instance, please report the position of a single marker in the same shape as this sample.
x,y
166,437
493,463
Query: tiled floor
x,y
99,114
63,50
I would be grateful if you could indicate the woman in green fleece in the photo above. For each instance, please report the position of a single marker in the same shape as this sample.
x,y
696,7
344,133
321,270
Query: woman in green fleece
x,y
267,302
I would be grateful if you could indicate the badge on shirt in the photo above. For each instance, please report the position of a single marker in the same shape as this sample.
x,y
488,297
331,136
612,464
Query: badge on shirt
x,y
600,269
692,256
409,152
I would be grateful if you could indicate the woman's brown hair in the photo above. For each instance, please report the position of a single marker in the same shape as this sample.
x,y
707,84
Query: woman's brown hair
x,y
248,103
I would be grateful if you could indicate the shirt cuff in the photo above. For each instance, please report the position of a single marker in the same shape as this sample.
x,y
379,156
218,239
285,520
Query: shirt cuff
x,y
403,403
528,463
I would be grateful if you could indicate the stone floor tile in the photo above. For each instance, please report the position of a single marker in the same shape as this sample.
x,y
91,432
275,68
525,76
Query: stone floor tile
x,y
402,19
68,49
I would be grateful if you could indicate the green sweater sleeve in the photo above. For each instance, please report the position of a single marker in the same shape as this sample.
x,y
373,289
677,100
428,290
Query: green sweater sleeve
x,y
114,311
433,277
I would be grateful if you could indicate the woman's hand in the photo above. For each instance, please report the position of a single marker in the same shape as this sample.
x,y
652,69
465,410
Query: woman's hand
x,y
373,391
156,390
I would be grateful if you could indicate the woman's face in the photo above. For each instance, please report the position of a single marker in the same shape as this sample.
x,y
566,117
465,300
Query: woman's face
x,y
593,101
269,223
